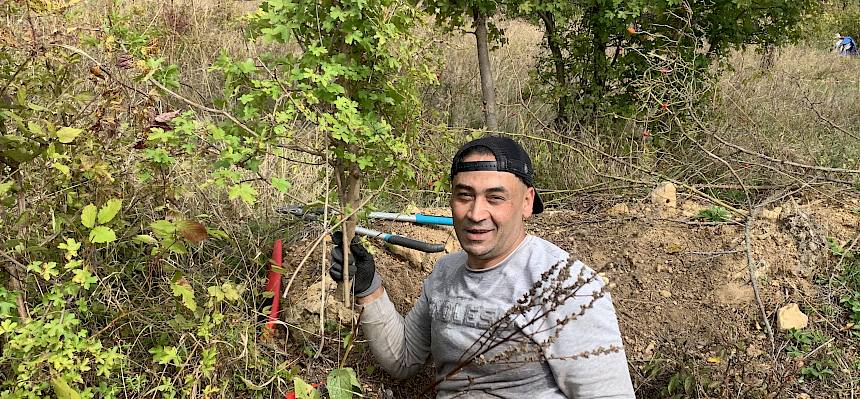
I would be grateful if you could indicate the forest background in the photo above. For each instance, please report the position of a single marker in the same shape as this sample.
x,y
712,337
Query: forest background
x,y
145,147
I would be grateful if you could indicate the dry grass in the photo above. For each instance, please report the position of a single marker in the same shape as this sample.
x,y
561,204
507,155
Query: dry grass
x,y
801,110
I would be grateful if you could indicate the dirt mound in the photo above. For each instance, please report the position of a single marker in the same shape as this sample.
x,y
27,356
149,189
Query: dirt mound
x,y
681,286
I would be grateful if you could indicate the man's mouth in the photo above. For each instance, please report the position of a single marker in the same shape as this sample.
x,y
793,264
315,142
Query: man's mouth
x,y
477,234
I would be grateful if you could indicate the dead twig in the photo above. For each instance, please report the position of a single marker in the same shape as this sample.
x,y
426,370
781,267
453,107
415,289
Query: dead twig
x,y
821,117
783,161
15,284
754,281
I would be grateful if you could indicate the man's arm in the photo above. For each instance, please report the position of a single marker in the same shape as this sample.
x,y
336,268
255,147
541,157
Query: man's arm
x,y
400,345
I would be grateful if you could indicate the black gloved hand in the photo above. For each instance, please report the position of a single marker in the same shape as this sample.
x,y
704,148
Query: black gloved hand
x,y
362,269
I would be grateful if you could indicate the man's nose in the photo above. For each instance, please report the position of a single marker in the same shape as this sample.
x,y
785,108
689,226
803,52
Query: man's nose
x,y
478,211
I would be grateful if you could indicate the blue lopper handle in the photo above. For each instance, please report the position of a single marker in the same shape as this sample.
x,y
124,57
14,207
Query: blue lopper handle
x,y
440,220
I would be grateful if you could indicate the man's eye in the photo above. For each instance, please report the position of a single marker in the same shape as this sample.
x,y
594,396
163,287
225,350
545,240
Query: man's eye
x,y
497,198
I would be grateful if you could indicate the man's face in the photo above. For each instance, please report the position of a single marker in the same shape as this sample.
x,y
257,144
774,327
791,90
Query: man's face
x,y
489,210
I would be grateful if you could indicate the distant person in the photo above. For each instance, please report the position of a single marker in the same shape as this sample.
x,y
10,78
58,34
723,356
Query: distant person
x,y
845,45
468,292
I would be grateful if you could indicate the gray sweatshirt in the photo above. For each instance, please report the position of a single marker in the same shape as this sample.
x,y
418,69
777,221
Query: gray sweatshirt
x,y
527,354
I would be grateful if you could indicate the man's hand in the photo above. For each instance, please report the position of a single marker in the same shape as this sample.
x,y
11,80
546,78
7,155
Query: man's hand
x,y
362,269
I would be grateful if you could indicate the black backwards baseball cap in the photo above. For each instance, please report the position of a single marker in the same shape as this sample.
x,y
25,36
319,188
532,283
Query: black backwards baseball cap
x,y
510,157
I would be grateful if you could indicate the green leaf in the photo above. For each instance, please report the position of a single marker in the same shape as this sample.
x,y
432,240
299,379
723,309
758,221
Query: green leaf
x,y
230,292
68,134
245,192
166,355
340,383
215,292
282,185
71,246
102,235
88,216
5,187
109,210
182,288
174,245
146,239
304,390
163,228
62,168
63,390
84,278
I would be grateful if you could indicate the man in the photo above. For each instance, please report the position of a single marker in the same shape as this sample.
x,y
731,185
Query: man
x,y
508,317
845,45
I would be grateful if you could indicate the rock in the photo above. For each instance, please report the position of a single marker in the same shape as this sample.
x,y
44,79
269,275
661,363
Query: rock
x,y
803,395
649,350
772,214
665,195
665,294
619,210
790,316
604,277
310,302
415,258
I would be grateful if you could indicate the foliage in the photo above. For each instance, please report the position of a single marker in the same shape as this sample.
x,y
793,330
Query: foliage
x,y
715,213
353,79
598,49
801,342
454,15
849,279
675,379
90,224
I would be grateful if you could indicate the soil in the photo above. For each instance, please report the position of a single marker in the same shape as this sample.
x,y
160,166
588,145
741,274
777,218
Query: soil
x,y
681,286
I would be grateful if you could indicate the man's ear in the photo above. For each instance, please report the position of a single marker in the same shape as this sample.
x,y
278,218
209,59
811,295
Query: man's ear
x,y
528,202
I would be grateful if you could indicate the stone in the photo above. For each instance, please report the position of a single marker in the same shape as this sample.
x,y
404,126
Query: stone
x,y
790,316
310,302
619,210
665,196
604,277
665,294
771,214
414,257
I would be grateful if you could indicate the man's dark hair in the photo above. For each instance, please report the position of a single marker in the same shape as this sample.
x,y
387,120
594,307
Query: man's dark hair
x,y
478,150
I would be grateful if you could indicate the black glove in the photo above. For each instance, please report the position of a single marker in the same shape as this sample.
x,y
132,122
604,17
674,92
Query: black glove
x,y
362,269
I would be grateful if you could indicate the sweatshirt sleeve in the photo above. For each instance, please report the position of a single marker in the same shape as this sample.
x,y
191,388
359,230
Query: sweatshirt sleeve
x,y
591,376
400,345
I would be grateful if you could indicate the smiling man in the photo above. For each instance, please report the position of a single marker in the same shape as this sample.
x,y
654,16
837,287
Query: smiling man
x,y
463,317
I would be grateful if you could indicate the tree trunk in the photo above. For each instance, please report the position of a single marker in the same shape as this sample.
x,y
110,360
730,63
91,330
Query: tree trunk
x,y
768,56
491,121
599,64
348,186
554,43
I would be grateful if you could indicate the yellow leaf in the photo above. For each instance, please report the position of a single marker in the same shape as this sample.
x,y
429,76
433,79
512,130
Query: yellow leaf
x,y
714,360
63,390
62,168
88,216
68,134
